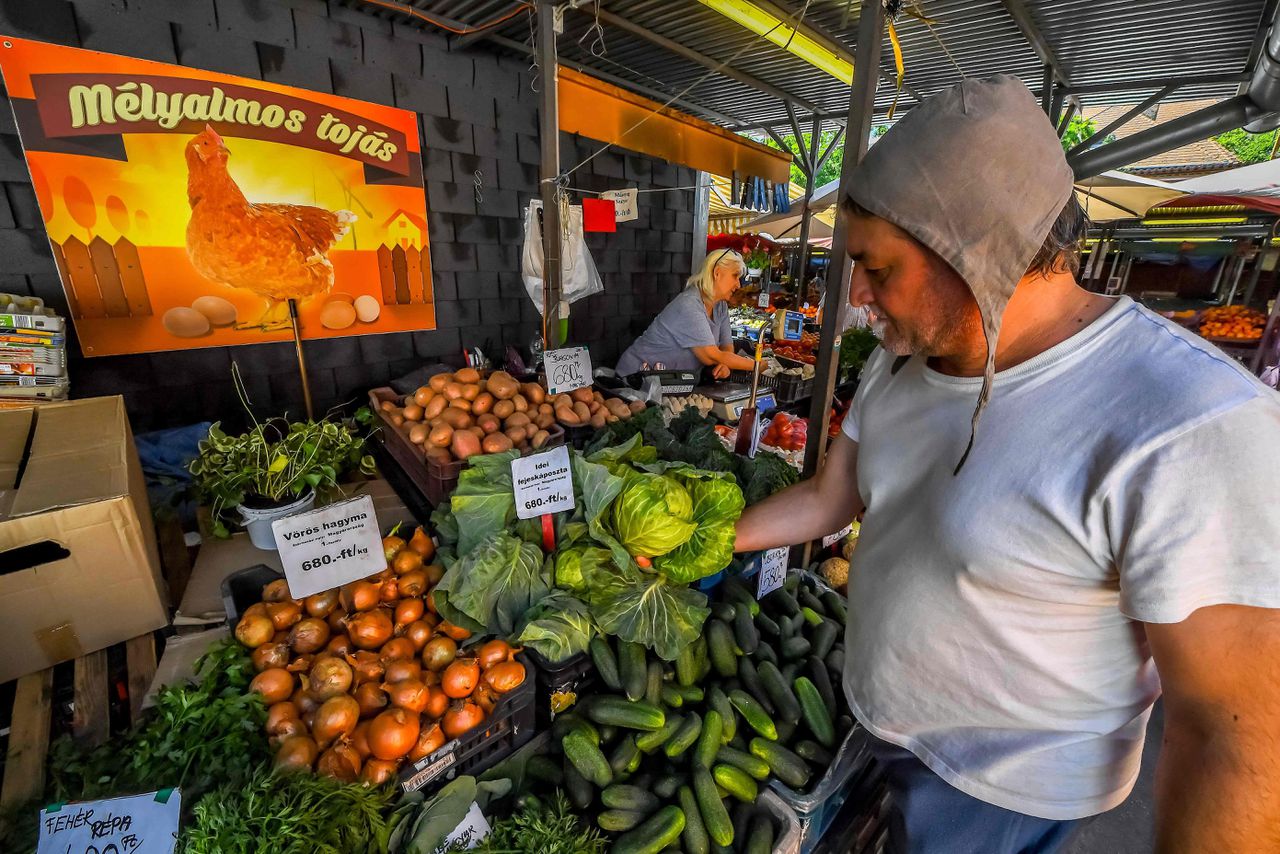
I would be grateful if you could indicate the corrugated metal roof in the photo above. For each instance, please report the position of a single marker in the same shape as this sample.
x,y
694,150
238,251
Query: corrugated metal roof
x,y
1098,43
1205,155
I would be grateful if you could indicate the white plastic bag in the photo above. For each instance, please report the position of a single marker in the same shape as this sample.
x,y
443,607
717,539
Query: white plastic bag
x,y
579,277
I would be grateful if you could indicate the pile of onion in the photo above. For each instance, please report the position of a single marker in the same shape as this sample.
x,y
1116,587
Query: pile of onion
x,y
361,679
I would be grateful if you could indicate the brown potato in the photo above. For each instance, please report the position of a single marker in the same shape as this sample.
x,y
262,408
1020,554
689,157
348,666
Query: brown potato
x,y
397,420
598,418
562,400
545,407
456,418
418,433
467,375
636,406
452,390
539,438
522,405
437,383
533,392
581,395
387,405
482,403
496,443
566,416
440,455
470,391
617,406
597,397
517,419
545,420
465,444
502,385
503,408
488,422
412,412
611,418
516,434
461,403
477,430
584,412
435,407
441,436
595,406
423,395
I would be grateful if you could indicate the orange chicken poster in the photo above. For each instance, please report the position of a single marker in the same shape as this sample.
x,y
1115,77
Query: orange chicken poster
x,y
188,208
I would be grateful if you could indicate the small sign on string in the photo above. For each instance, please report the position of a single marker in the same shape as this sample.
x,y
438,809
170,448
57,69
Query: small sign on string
x,y
773,571
568,368
624,204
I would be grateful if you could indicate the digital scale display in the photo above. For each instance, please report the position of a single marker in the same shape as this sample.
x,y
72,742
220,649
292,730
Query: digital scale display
x,y
788,326
764,402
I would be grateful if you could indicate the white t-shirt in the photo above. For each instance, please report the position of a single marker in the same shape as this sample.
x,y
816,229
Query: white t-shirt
x,y
1127,475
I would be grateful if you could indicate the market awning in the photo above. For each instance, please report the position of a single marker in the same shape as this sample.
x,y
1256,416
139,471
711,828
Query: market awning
x,y
1118,195
1255,186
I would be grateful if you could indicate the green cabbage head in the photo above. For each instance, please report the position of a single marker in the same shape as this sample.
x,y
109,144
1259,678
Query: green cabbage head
x,y
652,515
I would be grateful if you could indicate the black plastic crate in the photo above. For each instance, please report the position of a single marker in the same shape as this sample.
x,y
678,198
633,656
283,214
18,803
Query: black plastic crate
x,y
243,588
574,676
790,387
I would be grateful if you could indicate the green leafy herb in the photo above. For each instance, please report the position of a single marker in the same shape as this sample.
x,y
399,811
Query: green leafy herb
x,y
550,828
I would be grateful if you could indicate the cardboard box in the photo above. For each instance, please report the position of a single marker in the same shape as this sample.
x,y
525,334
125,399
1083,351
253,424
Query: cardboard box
x,y
79,566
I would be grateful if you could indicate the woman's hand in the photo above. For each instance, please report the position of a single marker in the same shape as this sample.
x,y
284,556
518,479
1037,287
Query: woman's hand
x,y
720,371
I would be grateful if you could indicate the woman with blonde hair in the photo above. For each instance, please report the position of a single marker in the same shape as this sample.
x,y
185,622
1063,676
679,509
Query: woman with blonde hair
x,y
693,330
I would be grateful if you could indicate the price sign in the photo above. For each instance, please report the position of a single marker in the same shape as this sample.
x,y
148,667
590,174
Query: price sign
x,y
624,204
138,824
471,832
567,368
763,302
329,547
543,483
773,571
832,539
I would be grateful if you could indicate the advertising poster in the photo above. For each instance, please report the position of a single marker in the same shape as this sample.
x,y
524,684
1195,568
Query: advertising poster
x,y
187,208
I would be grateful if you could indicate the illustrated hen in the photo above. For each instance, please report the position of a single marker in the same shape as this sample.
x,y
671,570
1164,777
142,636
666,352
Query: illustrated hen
x,y
279,252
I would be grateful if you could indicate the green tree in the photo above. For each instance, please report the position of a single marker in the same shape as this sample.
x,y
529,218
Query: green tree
x,y
1249,147
1078,130
829,171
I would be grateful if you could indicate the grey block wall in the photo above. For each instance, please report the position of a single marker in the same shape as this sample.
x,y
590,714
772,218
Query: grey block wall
x,y
477,113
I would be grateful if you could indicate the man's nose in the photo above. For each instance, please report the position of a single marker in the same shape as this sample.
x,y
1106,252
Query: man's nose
x,y
859,289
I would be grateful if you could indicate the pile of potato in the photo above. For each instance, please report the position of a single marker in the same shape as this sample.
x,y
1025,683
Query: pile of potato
x,y
463,413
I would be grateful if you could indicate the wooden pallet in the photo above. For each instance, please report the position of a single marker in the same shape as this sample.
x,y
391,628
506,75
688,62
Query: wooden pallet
x,y
91,725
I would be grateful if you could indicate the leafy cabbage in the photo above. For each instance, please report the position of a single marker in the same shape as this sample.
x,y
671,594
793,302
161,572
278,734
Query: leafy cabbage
x,y
648,609
652,515
558,627
493,585
579,567
717,504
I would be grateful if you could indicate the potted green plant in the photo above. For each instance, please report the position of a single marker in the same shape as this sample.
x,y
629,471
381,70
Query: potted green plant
x,y
756,260
273,471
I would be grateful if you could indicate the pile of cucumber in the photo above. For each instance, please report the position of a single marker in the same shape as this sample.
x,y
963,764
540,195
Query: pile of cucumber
x,y
673,759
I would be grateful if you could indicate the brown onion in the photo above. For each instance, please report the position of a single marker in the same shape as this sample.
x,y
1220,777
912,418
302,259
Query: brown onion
x,y
367,666
340,762
391,546
360,595
406,561
297,753
430,678
434,572
321,604
460,678
370,629
339,645
458,633
396,649
279,713
337,716
506,676
437,703
309,717
430,599
301,664
254,630
309,635
330,677
393,733
378,772
458,721
277,591
430,739
413,583
337,620
279,637
360,739
409,610
418,633
270,655
422,544
371,698
439,653
304,701
274,684
403,669
494,652
407,694
284,614
287,729
257,609
389,591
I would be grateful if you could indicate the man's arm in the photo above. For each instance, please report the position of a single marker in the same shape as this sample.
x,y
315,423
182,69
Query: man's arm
x,y
807,510
1218,777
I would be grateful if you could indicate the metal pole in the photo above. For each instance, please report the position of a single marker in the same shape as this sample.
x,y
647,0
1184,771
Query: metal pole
x,y
302,362
701,220
1256,272
1046,90
1236,273
862,95
811,179
550,142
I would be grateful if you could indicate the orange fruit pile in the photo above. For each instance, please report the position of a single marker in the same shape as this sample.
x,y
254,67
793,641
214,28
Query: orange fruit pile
x,y
1233,321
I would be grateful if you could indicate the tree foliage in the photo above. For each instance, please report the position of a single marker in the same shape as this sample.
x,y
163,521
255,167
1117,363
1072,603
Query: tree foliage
x,y
1249,147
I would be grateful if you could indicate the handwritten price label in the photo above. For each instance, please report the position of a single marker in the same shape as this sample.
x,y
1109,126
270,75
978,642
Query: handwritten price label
x,y
832,539
139,824
763,302
329,547
773,571
543,483
567,368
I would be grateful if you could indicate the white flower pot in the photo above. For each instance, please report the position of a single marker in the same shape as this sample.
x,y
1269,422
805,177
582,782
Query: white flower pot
x,y
258,520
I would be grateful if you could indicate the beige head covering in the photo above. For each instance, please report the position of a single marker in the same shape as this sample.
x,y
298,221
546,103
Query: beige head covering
x,y
977,174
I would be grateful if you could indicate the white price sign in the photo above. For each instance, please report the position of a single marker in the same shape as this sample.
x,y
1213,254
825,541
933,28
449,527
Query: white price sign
x,y
472,831
763,302
543,483
832,539
326,548
138,824
624,204
773,571
567,368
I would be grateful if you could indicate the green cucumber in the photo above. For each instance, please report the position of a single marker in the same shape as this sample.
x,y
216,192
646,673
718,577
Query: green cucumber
x,y
742,815
786,729
753,765
651,741
736,782
795,647
623,797
658,831
767,624
811,603
581,792
694,838
745,632
817,672
667,784
543,769
684,737
723,611
814,752
720,644
690,693
701,658
714,815
835,662
790,670
750,676
719,700
606,663
587,758
615,711
760,837
633,669
817,716
824,637
736,591
568,722
653,683
785,765
754,714
766,652
709,739
786,706
686,666
782,601
671,696
835,605
792,583
617,821
608,732
625,758
812,617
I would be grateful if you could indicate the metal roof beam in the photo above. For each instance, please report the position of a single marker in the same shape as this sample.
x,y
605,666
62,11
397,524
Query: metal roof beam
x,y
1157,83
1128,116
692,55
1021,15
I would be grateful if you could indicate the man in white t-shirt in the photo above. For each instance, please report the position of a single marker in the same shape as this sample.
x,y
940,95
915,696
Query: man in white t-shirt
x,y
1033,572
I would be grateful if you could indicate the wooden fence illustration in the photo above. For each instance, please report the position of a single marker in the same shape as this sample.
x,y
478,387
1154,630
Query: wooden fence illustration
x,y
105,280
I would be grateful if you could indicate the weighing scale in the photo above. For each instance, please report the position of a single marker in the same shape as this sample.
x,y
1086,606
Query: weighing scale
x,y
671,382
788,326
729,399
